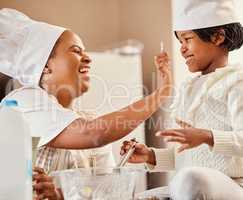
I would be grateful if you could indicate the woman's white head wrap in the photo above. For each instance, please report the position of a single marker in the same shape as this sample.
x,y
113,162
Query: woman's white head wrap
x,y
25,46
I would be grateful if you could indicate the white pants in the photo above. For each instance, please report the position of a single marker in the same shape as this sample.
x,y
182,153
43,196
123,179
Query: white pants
x,y
197,183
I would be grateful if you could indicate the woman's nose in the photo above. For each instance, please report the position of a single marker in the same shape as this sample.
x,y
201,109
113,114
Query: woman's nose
x,y
86,59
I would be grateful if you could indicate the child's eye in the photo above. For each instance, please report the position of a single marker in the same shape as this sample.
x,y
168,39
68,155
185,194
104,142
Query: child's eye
x,y
76,50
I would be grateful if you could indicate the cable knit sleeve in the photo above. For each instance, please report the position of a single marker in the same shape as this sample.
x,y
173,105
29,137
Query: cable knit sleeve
x,y
165,160
230,143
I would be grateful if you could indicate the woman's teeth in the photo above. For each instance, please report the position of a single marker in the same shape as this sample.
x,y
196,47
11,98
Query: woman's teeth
x,y
84,70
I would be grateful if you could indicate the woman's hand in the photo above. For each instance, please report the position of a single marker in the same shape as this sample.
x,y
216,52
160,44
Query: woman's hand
x,y
189,137
141,153
44,186
162,62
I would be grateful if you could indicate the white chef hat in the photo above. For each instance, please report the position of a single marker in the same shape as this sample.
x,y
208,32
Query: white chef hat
x,y
25,46
196,14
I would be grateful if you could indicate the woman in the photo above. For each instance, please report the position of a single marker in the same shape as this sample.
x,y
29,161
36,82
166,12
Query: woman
x,y
52,66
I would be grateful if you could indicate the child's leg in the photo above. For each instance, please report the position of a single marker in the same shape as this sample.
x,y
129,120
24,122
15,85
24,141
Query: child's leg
x,y
197,183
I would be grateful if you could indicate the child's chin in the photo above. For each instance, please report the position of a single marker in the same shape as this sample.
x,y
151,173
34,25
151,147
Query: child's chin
x,y
193,69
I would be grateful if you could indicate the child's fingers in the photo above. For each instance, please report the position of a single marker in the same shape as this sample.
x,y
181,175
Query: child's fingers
x,y
170,133
175,139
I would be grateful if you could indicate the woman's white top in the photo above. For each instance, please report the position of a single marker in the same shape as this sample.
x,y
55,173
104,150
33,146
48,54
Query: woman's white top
x,y
47,118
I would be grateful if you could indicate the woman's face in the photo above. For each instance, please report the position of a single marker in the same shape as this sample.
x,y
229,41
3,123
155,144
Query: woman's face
x,y
66,75
200,56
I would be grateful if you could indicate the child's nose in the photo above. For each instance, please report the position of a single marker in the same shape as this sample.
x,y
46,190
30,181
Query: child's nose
x,y
183,48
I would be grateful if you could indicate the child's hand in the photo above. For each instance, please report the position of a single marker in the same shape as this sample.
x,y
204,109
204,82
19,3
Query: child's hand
x,y
162,63
44,186
189,136
141,153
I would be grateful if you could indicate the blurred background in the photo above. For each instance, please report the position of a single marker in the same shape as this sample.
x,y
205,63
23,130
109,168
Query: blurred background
x,y
105,27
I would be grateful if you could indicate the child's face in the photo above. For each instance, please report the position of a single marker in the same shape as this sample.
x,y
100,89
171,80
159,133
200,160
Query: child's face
x,y
199,55
69,66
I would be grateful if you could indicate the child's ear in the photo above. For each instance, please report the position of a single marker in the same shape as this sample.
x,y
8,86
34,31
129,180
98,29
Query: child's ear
x,y
218,37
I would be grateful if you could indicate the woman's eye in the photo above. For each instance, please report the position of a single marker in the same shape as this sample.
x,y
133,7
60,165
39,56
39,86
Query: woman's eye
x,y
189,38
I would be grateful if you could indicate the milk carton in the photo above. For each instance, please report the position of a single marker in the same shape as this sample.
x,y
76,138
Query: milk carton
x,y
15,154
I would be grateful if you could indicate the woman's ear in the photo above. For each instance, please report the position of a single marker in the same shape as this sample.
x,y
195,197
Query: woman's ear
x,y
47,70
48,67
218,37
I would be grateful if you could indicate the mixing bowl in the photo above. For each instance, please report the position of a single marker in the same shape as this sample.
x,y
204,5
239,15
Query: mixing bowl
x,y
97,183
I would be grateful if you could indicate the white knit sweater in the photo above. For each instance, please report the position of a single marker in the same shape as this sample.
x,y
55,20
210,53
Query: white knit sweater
x,y
213,102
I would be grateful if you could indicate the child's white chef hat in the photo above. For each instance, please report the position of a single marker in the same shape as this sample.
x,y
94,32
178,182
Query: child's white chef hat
x,y
25,46
196,14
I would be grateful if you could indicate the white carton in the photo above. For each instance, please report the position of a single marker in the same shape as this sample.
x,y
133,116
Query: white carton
x,y
15,155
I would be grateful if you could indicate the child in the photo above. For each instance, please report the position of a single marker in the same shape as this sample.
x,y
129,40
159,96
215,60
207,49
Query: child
x,y
51,65
209,109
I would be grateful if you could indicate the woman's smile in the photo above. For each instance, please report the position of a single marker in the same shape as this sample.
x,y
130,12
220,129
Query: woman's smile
x,y
84,71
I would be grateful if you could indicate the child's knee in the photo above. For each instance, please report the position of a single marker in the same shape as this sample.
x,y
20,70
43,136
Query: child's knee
x,y
189,184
